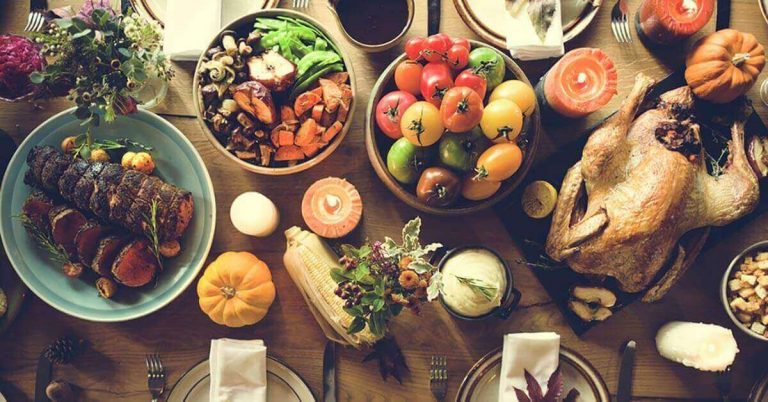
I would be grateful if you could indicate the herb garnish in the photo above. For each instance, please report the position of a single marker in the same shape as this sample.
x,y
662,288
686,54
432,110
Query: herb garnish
x,y
479,286
44,240
84,143
151,231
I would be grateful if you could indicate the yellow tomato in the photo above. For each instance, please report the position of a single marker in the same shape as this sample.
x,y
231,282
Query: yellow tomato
x,y
499,162
502,121
477,189
421,124
516,91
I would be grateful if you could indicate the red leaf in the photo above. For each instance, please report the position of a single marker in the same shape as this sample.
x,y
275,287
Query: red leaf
x,y
554,386
534,389
521,396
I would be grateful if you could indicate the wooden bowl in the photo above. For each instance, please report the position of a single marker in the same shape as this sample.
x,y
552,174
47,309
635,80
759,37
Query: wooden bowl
x,y
377,144
245,24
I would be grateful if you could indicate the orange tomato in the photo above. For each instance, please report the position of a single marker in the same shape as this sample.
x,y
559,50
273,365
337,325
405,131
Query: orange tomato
x,y
499,162
408,77
461,109
476,189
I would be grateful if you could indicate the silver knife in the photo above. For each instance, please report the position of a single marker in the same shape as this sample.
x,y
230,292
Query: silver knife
x,y
433,17
329,372
624,391
43,378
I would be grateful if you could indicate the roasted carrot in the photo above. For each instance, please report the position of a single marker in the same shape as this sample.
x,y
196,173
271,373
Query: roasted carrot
x,y
331,94
339,78
343,112
307,133
331,131
287,114
284,138
305,102
317,91
317,111
289,153
311,150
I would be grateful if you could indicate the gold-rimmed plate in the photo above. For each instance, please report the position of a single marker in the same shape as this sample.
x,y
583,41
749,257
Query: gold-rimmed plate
x,y
486,18
283,384
155,9
481,384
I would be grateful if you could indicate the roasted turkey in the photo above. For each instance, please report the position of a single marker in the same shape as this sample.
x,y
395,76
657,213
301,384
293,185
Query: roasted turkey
x,y
641,185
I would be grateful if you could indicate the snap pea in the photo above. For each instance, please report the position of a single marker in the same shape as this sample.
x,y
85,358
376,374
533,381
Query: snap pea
x,y
320,44
317,57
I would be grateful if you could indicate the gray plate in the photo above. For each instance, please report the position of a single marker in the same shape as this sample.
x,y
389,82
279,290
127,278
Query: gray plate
x,y
481,383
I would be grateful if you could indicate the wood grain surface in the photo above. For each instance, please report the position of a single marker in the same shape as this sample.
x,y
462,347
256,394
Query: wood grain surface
x,y
113,368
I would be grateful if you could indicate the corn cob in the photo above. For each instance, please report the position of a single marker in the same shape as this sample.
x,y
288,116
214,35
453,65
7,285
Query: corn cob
x,y
309,261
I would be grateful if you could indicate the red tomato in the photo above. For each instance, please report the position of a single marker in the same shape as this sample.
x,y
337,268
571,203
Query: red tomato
x,y
390,109
468,78
436,78
446,38
435,48
461,110
458,57
408,76
414,47
464,42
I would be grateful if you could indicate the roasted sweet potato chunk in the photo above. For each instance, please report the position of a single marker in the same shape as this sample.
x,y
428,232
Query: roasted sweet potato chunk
x,y
289,153
255,99
305,101
306,133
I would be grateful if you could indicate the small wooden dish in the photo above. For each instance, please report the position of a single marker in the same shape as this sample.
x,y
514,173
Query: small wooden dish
x,y
243,24
377,145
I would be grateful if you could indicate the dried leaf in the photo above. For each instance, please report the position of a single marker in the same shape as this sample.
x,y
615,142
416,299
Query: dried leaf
x,y
534,389
541,13
521,396
554,386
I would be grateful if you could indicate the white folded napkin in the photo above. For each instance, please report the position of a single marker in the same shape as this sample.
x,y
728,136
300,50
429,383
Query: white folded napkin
x,y
523,42
191,24
539,353
238,371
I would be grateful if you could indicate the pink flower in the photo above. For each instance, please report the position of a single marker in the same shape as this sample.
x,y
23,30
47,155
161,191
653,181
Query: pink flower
x,y
89,5
19,57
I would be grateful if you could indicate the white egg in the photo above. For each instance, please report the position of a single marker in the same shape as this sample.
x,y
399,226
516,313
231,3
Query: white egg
x,y
254,214
705,347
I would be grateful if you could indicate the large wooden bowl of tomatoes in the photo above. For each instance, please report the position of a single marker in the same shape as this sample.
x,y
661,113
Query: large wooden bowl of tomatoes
x,y
452,125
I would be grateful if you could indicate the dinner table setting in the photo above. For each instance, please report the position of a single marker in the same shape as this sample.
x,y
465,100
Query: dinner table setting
x,y
389,200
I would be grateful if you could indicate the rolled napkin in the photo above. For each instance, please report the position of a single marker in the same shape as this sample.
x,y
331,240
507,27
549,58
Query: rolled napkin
x,y
191,24
523,40
538,353
238,371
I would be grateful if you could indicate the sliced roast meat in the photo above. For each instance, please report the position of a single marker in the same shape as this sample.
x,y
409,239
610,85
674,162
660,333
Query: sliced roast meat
x,y
69,179
54,168
37,158
121,199
140,211
136,264
36,208
176,217
87,184
87,241
105,185
106,251
65,223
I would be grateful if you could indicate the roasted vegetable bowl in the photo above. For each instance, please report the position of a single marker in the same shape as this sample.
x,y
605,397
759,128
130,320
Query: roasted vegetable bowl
x,y
274,92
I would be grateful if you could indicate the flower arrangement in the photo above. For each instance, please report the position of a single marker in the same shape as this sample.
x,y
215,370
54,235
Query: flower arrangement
x,y
19,57
99,58
380,279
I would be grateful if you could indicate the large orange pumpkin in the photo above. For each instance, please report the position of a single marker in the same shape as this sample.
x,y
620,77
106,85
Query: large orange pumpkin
x,y
236,289
724,65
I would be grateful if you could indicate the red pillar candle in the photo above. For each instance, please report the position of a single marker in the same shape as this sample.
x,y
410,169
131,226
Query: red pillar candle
x,y
583,81
666,22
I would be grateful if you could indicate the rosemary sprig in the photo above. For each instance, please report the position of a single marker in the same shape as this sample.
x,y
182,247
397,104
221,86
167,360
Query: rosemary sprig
x,y
44,240
479,286
151,232
84,143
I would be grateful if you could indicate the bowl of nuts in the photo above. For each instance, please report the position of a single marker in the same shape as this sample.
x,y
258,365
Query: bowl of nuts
x,y
744,291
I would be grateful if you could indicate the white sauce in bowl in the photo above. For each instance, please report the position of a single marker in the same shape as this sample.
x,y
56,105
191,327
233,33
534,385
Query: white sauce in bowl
x,y
474,281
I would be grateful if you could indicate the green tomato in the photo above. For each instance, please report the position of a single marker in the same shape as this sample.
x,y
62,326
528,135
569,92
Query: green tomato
x,y
488,63
406,161
461,151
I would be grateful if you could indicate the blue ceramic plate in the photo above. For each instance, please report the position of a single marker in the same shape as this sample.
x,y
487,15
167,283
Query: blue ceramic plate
x,y
177,162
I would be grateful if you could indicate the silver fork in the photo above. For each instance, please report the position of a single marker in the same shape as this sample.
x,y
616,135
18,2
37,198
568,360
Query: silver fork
x,y
620,22
36,19
438,377
300,3
155,376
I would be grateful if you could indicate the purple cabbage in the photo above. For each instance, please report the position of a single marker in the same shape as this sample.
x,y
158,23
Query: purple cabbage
x,y
19,57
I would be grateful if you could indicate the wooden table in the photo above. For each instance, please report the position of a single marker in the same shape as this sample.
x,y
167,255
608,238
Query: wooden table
x,y
113,368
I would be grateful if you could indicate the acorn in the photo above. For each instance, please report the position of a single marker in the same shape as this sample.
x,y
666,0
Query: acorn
x,y
60,391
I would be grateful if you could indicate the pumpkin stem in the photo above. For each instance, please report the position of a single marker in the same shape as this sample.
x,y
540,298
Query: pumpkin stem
x,y
228,291
740,58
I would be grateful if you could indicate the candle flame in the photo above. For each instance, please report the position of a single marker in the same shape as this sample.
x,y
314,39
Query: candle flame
x,y
690,6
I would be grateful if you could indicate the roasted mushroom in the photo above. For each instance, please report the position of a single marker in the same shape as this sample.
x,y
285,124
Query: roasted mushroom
x,y
757,153
273,70
255,99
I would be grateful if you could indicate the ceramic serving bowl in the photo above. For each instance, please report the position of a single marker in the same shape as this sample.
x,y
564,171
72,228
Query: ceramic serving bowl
x,y
509,300
379,47
377,145
760,246
244,25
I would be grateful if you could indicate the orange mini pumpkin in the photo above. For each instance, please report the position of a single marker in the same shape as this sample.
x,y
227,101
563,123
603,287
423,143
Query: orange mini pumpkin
x,y
236,289
724,65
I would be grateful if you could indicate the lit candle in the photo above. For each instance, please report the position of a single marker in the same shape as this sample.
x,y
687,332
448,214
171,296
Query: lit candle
x,y
666,22
332,207
583,81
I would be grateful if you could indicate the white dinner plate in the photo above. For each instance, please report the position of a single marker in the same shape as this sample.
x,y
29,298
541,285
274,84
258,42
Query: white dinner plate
x,y
482,381
283,384
156,9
